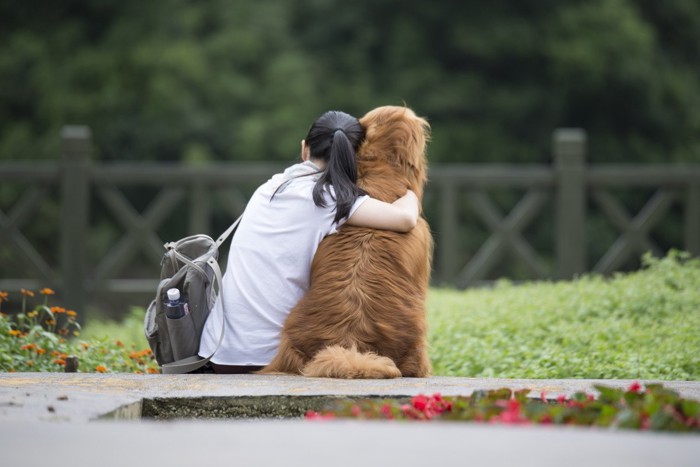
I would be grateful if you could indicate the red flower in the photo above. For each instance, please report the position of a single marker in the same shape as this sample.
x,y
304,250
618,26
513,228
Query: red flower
x,y
635,387
420,402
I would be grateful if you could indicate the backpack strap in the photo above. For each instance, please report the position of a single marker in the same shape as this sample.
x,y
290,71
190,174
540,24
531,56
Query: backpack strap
x,y
195,362
222,238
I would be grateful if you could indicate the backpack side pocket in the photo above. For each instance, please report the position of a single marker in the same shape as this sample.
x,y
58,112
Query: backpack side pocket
x,y
151,331
183,336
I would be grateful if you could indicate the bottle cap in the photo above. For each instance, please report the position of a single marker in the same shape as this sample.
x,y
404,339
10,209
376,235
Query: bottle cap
x,y
173,294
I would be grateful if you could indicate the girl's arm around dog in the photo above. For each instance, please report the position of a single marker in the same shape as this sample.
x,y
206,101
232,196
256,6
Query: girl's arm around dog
x,y
399,216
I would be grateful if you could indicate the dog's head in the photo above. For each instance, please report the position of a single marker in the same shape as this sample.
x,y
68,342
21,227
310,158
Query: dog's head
x,y
395,139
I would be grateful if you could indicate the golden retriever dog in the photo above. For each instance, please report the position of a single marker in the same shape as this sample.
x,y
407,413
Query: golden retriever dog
x,y
364,315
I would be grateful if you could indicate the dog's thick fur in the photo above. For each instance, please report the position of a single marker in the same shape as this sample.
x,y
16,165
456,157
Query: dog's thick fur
x,y
364,315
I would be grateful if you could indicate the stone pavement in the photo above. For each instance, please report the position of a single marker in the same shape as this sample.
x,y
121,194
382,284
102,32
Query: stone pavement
x,y
57,419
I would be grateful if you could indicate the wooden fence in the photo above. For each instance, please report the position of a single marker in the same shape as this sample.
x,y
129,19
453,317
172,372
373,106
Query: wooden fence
x,y
192,198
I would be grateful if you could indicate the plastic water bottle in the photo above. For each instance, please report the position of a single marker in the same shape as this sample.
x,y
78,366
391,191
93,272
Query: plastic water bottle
x,y
174,307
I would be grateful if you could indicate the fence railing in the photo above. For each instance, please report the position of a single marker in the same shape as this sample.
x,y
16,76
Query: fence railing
x,y
561,198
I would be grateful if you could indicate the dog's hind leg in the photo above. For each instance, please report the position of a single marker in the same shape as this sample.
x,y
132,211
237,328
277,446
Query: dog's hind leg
x,y
287,360
416,364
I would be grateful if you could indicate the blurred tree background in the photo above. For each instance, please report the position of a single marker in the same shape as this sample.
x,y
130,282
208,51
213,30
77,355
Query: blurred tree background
x,y
215,80
211,80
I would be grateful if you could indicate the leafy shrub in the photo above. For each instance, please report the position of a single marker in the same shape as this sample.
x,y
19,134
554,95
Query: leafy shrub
x,y
654,408
44,339
640,325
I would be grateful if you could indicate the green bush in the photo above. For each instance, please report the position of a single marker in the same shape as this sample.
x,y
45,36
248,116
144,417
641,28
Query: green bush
x,y
640,325
638,408
44,338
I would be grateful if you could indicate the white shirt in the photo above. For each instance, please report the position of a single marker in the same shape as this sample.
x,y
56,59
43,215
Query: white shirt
x,y
269,266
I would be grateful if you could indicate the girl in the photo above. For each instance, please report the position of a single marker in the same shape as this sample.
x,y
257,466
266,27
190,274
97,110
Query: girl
x,y
285,220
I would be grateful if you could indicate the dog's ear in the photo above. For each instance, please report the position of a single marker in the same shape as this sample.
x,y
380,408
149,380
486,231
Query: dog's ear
x,y
397,137
418,135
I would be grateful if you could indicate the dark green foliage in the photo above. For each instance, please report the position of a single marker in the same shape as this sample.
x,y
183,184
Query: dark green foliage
x,y
205,80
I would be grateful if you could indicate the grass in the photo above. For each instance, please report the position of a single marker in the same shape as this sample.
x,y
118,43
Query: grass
x,y
129,330
641,325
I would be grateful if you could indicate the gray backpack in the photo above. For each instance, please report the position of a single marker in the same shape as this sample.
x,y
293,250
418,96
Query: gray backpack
x,y
190,265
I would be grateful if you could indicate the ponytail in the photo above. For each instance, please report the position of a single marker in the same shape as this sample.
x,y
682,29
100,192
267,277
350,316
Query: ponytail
x,y
341,173
335,138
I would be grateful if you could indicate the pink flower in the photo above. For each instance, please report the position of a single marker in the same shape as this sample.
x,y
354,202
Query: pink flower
x,y
386,411
312,415
511,415
356,410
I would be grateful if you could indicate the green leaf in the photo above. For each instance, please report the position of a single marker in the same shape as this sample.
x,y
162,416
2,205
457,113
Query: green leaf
x,y
608,394
690,409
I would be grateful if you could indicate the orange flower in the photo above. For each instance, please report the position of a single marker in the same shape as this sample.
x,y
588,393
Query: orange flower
x,y
119,344
50,322
27,293
58,309
14,332
84,345
60,361
100,369
28,346
3,297
46,291
41,351
71,313
153,371
30,362
55,353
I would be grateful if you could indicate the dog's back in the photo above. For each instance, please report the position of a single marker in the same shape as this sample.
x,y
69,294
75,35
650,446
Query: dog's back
x,y
364,315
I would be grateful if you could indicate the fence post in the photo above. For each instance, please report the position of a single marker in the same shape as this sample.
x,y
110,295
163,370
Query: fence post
x,y
448,231
74,215
569,148
692,219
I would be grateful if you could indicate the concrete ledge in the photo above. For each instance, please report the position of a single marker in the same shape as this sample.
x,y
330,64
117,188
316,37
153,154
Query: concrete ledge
x,y
81,397
34,409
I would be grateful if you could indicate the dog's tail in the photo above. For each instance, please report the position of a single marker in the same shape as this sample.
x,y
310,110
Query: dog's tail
x,y
338,362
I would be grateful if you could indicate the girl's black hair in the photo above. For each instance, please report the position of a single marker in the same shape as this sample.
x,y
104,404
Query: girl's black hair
x,y
335,138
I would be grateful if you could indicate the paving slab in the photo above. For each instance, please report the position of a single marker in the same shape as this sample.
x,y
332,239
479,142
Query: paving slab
x,y
56,419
